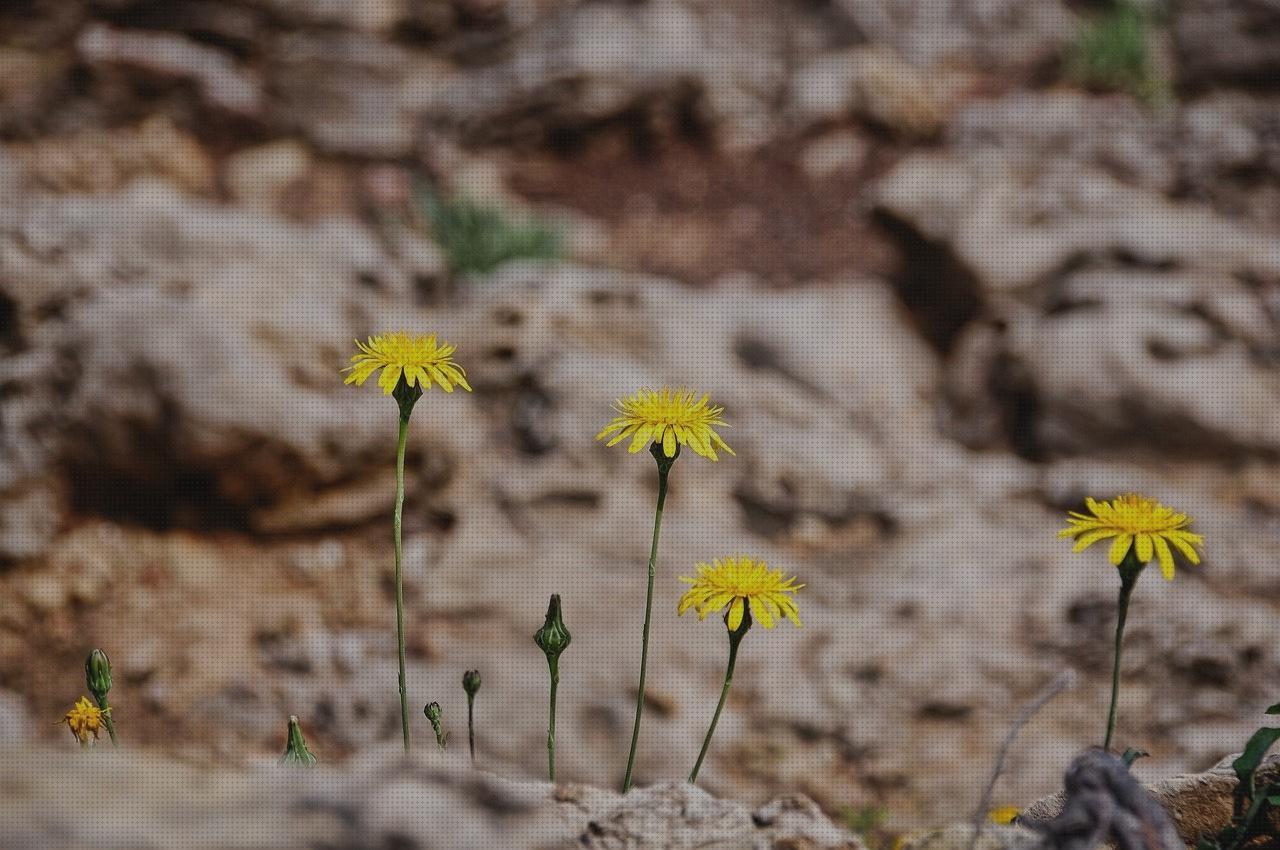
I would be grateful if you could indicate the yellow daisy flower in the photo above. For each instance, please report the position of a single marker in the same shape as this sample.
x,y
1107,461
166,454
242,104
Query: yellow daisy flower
x,y
84,719
669,419
1003,814
1138,523
420,359
741,582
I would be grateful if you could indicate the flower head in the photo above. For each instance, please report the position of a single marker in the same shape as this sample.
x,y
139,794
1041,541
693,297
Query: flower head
x,y
669,419
741,582
1003,814
84,719
1137,523
420,360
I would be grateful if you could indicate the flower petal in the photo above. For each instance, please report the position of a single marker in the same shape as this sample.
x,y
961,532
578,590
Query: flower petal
x,y
1143,544
1166,557
735,614
1120,548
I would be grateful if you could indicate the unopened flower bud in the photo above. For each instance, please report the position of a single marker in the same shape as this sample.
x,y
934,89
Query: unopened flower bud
x,y
435,715
553,637
97,674
471,682
295,748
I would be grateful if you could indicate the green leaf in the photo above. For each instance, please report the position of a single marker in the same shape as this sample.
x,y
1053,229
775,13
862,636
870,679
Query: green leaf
x,y
1275,709
1254,752
1131,755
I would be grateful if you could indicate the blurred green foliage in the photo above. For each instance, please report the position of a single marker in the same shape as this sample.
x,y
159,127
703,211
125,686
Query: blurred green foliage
x,y
1112,52
477,238
866,823
1256,803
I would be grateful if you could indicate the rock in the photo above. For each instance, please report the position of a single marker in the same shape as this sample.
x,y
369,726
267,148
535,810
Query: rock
x,y
1119,307
15,723
873,83
259,177
1005,33
351,93
1226,42
960,837
223,83
31,518
108,160
380,800
1016,230
1200,804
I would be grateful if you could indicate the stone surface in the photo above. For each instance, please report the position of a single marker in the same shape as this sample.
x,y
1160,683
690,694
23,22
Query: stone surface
x,y
124,799
1199,804
942,294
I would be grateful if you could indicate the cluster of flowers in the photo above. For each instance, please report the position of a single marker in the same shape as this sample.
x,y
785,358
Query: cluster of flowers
x,y
742,586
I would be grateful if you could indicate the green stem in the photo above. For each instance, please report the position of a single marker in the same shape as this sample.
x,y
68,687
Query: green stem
x,y
551,727
471,728
107,721
735,638
664,467
1130,568
404,696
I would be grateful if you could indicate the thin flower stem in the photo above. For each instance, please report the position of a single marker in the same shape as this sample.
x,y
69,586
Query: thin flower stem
x,y
1129,571
471,727
734,640
107,721
663,470
404,696
551,726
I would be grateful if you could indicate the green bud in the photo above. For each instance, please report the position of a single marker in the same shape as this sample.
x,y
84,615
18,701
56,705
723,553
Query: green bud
x,y
553,637
471,682
97,674
435,715
295,748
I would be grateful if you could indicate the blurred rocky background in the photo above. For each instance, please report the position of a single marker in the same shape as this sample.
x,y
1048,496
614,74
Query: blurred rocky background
x,y
950,266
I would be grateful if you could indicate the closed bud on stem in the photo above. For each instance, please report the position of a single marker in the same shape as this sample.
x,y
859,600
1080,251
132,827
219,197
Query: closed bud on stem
x,y
295,748
97,674
553,637
435,715
97,677
471,682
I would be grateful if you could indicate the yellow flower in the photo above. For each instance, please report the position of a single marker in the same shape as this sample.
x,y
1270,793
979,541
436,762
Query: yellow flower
x,y
1003,814
670,419
1138,523
419,359
84,718
740,582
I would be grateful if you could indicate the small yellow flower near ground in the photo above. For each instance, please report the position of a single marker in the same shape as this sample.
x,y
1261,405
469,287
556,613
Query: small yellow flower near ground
x,y
420,359
1138,523
83,719
669,419
1003,814
741,582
